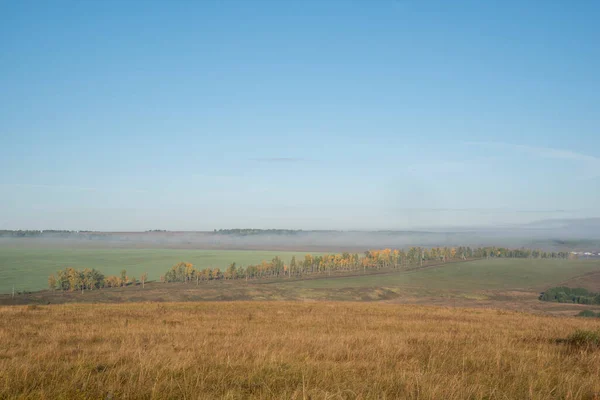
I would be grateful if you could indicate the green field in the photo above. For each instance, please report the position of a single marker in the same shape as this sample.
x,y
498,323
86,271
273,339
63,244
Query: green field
x,y
498,274
28,268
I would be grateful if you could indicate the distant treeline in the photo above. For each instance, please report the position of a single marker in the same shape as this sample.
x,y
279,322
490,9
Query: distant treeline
x,y
90,235
563,294
247,232
31,233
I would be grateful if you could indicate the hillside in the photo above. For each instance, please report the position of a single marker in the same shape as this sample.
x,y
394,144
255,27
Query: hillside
x,y
294,350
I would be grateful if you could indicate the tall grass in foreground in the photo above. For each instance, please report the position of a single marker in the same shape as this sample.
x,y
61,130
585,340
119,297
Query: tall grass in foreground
x,y
291,350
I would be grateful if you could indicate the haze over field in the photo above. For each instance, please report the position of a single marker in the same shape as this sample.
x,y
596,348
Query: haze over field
x,y
559,234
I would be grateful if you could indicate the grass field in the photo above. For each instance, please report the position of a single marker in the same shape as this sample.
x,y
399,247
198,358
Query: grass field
x,y
506,274
28,268
296,350
589,281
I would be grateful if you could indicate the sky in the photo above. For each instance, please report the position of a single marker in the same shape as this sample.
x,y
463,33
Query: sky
x,y
349,114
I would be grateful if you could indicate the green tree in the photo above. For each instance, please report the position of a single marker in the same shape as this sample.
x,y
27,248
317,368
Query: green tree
x,y
241,273
90,279
62,280
293,266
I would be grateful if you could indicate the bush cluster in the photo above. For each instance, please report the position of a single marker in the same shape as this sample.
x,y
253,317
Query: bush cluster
x,y
563,294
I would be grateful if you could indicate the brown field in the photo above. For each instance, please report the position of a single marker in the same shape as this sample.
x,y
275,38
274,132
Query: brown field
x,y
239,350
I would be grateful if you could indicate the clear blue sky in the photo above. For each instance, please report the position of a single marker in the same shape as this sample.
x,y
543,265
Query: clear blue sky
x,y
193,115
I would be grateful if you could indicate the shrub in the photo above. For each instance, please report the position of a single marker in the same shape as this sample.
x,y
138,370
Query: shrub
x,y
588,314
583,338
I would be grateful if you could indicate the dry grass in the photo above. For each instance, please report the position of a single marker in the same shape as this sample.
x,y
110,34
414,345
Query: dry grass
x,y
291,350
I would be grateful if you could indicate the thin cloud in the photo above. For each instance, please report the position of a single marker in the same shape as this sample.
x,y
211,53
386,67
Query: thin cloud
x,y
448,167
57,187
590,164
279,159
482,210
434,167
70,188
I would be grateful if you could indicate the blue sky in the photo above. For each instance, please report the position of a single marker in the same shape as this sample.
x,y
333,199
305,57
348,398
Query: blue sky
x,y
193,115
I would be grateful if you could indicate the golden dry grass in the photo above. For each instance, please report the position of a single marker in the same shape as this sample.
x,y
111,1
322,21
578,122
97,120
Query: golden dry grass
x,y
290,350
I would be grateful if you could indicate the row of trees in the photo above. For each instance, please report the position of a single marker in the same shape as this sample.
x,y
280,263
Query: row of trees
x,y
347,262
185,272
504,252
70,279
73,279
